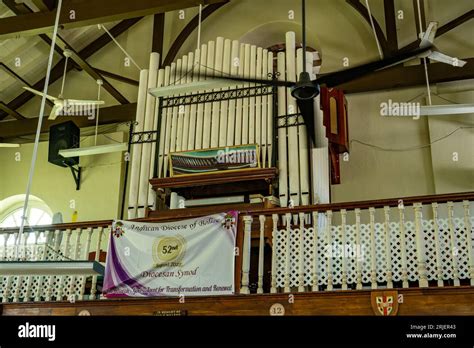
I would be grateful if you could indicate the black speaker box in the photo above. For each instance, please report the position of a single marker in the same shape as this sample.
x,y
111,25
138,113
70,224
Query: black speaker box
x,y
61,137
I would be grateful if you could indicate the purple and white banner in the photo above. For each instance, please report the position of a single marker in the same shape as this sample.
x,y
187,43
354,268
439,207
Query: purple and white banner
x,y
192,257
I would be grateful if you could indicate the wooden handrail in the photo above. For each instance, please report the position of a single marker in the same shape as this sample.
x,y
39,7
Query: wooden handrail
x,y
189,213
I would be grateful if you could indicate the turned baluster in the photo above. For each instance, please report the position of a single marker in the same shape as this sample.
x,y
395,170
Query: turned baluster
x,y
86,257
301,254
344,249
287,253
273,288
403,246
439,267
246,254
329,250
454,249
422,276
315,251
373,253
388,255
261,251
100,231
468,231
359,251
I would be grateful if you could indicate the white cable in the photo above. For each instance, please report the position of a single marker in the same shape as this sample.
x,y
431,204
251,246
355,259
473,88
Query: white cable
x,y
199,27
38,129
425,63
373,29
99,82
64,77
119,46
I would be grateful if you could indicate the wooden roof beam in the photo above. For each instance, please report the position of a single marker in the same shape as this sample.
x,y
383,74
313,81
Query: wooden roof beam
x,y
87,12
108,115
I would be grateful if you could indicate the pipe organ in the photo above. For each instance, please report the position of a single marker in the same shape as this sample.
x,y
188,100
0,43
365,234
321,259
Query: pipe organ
x,y
222,117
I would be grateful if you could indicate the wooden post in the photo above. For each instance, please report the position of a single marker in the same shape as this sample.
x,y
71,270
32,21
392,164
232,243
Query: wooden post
x,y
97,257
359,255
273,288
454,248
329,250
422,278
287,252
301,254
41,278
344,254
388,256
403,246
315,251
86,256
246,254
261,256
373,256
468,230
439,268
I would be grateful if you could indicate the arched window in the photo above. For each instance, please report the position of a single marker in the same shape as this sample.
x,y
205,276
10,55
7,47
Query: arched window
x,y
35,216
38,213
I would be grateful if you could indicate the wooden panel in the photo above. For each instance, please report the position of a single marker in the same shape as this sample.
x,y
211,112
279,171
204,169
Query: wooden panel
x,y
429,301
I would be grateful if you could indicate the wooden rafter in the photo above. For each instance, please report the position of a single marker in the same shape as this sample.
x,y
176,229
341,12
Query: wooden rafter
x,y
61,45
362,10
188,29
117,77
87,12
108,115
11,112
390,26
409,76
57,71
158,35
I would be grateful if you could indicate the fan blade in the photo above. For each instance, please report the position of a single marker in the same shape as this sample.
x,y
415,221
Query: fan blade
x,y
83,102
55,111
343,76
306,107
34,91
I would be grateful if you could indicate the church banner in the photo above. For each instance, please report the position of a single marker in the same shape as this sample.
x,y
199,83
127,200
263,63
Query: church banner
x,y
192,257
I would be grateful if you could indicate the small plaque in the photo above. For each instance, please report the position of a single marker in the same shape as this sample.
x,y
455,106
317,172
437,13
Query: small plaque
x,y
84,313
171,313
223,159
277,309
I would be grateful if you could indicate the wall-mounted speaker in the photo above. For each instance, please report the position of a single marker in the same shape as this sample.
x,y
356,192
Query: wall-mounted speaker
x,y
61,137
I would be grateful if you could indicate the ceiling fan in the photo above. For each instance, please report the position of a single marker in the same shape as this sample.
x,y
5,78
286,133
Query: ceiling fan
x,y
305,90
59,102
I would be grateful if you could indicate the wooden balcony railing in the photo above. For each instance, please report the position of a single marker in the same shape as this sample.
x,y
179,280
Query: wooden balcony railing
x,y
409,242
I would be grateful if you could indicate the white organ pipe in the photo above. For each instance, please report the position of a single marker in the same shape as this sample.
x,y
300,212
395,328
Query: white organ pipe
x,y
206,136
270,120
303,134
239,103
245,111
200,107
164,122
169,122
216,105
181,108
174,122
224,111
292,108
137,148
264,108
234,68
193,110
282,135
252,128
151,192
258,104
186,116
148,126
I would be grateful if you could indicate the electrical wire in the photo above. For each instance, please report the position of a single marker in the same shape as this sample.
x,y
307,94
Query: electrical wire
x,y
412,147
